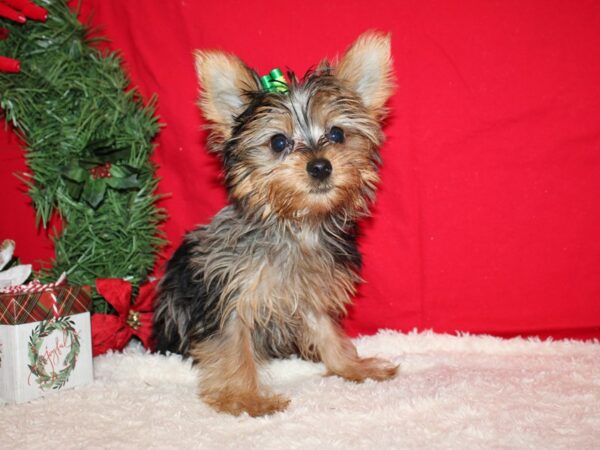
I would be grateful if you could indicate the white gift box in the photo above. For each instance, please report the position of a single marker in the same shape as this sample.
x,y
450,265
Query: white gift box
x,y
42,356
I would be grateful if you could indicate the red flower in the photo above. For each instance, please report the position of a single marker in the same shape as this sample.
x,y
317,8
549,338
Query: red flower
x,y
113,332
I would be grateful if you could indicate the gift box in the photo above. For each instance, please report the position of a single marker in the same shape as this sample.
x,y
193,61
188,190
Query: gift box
x,y
45,340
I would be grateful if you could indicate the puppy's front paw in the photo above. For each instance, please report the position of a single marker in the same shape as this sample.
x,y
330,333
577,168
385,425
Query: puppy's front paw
x,y
255,404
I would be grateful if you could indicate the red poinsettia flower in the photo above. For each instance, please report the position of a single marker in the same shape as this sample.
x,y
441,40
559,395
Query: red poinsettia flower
x,y
113,332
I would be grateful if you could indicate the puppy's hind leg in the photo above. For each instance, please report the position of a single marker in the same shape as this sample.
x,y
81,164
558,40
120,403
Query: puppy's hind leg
x,y
340,356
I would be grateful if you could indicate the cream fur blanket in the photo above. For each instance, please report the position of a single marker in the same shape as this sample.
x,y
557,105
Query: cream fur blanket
x,y
452,392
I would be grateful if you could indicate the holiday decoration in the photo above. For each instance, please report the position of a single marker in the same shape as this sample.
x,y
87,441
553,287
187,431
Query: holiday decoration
x,y
44,378
45,339
89,180
88,139
37,301
110,332
274,81
16,274
18,11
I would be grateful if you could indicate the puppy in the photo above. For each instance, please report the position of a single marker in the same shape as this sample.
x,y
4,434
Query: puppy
x,y
271,275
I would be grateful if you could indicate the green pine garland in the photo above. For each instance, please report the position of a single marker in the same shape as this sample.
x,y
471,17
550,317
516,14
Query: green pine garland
x,y
88,141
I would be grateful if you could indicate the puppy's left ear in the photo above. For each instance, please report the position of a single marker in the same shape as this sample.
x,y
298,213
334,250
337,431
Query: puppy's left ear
x,y
366,68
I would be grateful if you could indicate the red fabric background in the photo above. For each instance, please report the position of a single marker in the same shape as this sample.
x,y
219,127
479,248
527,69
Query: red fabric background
x,y
488,214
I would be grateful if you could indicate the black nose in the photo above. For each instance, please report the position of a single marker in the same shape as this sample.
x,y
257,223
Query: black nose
x,y
319,168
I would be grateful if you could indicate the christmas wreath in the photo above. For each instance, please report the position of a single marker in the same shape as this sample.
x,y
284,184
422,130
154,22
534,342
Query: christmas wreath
x,y
88,139
39,363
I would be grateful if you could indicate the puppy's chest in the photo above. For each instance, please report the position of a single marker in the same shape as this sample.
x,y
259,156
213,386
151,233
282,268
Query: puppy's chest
x,y
302,268
298,275
309,282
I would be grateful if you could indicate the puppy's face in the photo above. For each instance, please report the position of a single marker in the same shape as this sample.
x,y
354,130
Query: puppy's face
x,y
306,154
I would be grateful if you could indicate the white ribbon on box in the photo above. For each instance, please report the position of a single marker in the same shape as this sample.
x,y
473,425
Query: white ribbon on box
x,y
14,276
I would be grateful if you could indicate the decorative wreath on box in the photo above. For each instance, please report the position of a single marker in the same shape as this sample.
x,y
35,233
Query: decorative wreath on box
x,y
39,362
88,140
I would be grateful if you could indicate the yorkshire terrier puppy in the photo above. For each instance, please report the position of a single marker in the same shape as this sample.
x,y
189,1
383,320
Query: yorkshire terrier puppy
x,y
271,275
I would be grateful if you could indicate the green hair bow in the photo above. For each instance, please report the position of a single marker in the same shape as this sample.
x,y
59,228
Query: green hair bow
x,y
274,82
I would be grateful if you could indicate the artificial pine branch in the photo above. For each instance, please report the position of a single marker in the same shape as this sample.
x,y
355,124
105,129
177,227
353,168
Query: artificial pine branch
x,y
72,105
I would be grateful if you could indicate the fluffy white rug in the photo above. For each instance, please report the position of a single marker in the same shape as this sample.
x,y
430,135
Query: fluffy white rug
x,y
452,392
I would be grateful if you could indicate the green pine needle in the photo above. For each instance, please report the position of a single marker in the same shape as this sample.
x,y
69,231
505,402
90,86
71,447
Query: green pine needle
x,y
70,100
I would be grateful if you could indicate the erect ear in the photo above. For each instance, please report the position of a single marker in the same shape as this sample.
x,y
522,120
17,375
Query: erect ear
x,y
367,69
225,81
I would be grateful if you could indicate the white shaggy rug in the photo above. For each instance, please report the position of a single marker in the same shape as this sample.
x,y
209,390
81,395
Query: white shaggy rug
x,y
452,392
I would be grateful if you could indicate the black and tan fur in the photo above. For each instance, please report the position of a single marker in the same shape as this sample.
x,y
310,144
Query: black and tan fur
x,y
271,275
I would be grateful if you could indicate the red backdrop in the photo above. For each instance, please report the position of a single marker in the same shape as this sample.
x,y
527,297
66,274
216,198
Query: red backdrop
x,y
488,214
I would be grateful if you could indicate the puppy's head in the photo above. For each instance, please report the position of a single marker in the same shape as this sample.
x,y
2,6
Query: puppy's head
x,y
306,154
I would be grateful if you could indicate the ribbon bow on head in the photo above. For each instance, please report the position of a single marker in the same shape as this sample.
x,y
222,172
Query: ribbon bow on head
x,y
274,82
110,332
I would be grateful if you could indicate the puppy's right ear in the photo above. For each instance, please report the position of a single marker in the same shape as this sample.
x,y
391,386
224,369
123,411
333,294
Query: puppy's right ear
x,y
224,83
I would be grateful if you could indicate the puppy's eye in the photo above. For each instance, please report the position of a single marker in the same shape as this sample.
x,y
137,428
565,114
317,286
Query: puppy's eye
x,y
336,134
279,143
